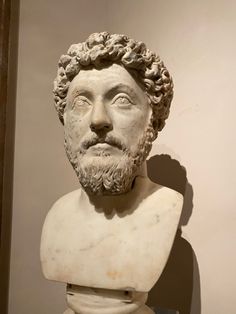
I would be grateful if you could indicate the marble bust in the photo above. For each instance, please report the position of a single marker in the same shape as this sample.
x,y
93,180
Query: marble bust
x,y
110,240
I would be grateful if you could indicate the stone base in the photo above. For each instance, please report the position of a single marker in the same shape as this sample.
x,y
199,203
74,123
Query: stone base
x,y
144,310
84,300
148,310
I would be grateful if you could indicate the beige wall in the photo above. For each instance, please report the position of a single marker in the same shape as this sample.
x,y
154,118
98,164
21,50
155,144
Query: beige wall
x,y
196,39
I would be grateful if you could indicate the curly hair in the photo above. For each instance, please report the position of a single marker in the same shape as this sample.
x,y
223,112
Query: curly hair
x,y
102,49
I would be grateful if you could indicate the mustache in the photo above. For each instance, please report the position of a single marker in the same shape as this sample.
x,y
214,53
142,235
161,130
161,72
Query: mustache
x,y
108,139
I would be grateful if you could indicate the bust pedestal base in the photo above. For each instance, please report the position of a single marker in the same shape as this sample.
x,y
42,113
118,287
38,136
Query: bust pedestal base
x,y
143,310
84,300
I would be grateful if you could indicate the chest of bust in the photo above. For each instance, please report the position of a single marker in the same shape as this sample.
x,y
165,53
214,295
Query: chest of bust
x,y
127,251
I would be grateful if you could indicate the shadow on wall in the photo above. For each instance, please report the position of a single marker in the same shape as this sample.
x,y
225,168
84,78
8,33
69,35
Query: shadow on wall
x,y
178,287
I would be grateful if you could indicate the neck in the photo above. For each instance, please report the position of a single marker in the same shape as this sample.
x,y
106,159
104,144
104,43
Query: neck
x,y
142,172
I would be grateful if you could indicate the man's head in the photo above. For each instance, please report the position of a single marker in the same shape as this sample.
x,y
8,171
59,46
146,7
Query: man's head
x,y
113,96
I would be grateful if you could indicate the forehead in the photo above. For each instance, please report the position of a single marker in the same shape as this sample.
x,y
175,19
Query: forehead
x,y
101,80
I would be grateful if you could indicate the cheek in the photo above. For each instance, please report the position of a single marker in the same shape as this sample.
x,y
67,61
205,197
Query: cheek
x,y
132,127
132,122
74,130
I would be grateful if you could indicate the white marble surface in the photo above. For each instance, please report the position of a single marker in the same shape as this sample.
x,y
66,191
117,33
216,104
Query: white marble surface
x,y
122,249
103,301
113,235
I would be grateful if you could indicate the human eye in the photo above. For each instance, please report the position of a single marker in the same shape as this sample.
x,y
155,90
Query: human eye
x,y
80,102
122,101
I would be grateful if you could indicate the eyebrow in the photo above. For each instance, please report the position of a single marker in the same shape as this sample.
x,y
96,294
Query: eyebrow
x,y
120,88
82,91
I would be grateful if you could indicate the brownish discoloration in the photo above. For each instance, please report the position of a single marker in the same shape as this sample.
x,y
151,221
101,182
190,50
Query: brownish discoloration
x,y
113,274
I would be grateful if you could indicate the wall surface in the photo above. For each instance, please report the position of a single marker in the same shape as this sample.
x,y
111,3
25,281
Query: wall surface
x,y
196,40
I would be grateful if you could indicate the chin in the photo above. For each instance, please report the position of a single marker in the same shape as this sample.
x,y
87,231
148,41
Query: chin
x,y
105,175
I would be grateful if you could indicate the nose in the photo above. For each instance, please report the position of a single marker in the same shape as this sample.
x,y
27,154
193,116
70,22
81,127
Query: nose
x,y
100,119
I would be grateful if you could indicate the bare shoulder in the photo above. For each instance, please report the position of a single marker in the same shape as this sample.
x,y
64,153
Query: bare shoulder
x,y
64,204
161,191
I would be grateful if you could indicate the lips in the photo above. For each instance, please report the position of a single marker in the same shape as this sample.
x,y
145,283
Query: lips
x,y
102,143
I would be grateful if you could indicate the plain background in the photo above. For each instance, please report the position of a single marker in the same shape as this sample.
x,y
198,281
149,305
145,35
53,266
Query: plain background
x,y
196,40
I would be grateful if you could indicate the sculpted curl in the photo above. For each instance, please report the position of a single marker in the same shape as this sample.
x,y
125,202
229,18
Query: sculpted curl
x,y
103,49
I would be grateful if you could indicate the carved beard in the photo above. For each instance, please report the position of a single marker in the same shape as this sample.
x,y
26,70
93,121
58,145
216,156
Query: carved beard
x,y
108,174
